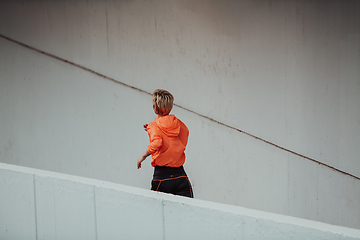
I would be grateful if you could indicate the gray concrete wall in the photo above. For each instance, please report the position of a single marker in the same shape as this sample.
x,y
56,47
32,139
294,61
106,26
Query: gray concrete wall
x,y
286,72
38,204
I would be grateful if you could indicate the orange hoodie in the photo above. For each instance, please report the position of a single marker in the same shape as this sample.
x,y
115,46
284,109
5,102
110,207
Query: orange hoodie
x,y
168,139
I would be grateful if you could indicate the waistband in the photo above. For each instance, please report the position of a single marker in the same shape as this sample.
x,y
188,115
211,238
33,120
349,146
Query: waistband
x,y
162,171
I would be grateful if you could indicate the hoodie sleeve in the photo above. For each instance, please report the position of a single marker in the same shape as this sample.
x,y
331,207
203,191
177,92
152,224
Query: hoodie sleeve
x,y
155,138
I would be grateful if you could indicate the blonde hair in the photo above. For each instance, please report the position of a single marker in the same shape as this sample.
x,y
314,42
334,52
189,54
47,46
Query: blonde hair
x,y
162,101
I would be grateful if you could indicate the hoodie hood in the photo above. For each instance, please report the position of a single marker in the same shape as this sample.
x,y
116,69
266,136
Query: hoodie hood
x,y
169,125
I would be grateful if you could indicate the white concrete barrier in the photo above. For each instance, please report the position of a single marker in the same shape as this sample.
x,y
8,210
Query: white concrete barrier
x,y
37,204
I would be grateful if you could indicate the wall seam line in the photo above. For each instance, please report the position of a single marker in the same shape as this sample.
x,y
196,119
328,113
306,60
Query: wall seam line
x,y
163,218
35,208
95,215
186,109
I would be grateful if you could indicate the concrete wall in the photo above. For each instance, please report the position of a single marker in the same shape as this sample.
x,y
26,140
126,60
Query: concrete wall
x,y
38,204
284,71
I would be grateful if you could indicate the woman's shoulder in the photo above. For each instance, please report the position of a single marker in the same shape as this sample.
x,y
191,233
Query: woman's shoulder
x,y
153,126
183,125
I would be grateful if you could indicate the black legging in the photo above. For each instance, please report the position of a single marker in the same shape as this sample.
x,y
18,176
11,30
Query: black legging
x,y
171,180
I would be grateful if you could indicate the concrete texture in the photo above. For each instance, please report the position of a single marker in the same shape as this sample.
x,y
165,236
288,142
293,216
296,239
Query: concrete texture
x,y
46,205
124,215
17,205
65,209
284,71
